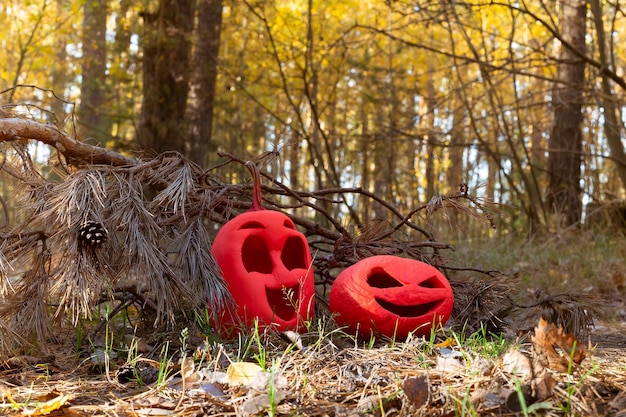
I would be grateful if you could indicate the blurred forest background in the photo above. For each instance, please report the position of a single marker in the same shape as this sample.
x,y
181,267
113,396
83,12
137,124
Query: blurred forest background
x,y
521,100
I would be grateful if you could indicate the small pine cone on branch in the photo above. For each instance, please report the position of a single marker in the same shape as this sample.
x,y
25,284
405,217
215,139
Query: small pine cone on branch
x,y
93,234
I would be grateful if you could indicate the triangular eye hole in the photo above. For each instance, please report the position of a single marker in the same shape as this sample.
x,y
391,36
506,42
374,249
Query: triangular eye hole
x,y
294,253
380,279
289,224
252,225
431,282
256,256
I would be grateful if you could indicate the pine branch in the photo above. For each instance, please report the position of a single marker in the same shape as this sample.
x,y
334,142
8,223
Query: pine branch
x,y
158,247
79,153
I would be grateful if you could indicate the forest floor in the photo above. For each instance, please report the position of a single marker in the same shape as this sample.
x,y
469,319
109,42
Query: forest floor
x,y
529,367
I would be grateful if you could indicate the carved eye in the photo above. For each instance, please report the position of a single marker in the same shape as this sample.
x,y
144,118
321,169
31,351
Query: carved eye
x,y
380,279
294,253
256,255
289,224
252,225
432,282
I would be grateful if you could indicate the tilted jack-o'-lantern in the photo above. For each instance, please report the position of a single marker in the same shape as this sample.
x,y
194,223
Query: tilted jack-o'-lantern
x,y
391,296
266,263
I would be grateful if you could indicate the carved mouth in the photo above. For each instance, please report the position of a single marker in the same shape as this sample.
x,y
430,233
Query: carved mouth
x,y
410,310
283,302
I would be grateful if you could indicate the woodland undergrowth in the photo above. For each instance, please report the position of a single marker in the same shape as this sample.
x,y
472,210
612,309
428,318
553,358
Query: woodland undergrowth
x,y
137,232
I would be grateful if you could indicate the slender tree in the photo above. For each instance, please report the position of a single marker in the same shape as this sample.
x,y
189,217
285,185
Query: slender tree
x,y
612,114
564,194
166,72
93,85
205,76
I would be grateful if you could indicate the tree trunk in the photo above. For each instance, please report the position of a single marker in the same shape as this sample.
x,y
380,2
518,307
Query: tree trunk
x,y
454,172
166,69
612,123
431,137
564,194
366,154
60,78
205,77
94,119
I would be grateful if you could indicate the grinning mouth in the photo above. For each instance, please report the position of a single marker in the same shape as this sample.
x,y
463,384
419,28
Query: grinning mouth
x,y
410,310
283,301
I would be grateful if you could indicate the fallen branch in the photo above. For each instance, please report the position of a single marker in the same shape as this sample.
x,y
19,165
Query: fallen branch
x,y
163,240
76,153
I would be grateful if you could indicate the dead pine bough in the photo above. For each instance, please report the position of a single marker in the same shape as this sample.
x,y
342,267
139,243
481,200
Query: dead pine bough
x,y
109,259
104,229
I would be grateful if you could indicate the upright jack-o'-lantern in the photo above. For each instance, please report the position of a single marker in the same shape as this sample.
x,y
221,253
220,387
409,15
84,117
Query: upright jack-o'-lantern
x,y
391,296
266,263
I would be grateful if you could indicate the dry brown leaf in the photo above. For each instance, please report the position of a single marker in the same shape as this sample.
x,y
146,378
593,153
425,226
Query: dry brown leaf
x,y
188,369
516,363
138,342
556,349
542,383
417,390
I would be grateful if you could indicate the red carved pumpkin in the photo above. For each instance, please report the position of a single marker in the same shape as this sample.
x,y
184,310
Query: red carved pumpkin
x,y
266,263
391,296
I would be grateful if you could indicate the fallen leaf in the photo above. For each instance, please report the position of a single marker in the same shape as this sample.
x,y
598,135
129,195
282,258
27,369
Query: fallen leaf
x,y
48,406
188,371
208,389
516,363
211,376
138,343
154,402
448,361
101,357
446,343
556,349
514,402
416,390
263,380
261,402
292,337
542,383
376,405
242,373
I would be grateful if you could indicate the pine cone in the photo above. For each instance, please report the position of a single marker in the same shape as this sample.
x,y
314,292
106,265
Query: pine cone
x,y
93,234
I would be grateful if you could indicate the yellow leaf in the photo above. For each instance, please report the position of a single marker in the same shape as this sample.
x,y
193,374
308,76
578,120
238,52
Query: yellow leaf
x,y
446,343
241,373
48,406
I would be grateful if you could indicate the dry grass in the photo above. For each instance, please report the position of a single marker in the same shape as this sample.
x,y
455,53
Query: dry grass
x,y
332,375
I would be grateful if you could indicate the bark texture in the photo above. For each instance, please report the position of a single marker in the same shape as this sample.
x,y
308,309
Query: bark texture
x,y
564,195
166,72
93,113
205,78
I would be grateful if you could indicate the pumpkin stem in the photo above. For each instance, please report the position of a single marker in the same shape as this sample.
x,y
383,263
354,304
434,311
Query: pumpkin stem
x,y
256,186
